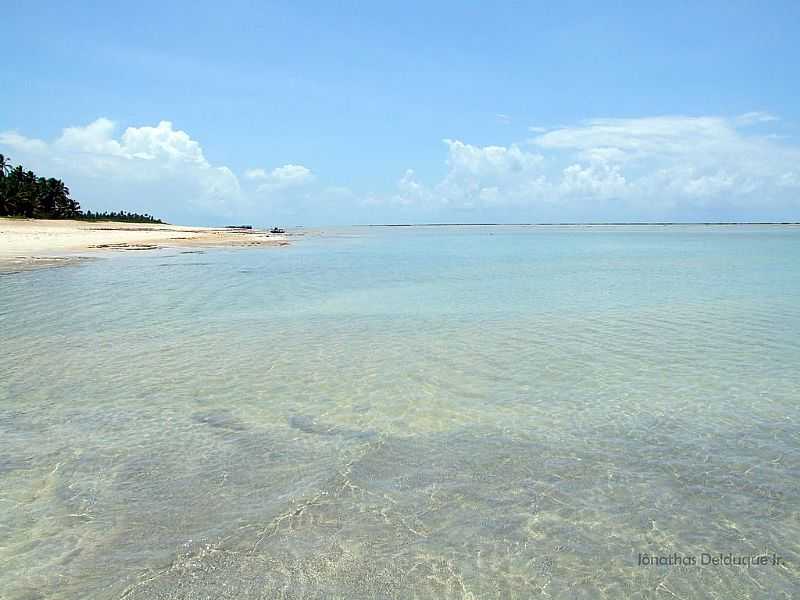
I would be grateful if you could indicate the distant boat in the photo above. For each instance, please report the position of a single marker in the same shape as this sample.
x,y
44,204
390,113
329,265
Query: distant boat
x,y
276,230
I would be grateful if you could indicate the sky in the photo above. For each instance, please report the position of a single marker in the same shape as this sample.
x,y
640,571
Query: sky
x,y
336,113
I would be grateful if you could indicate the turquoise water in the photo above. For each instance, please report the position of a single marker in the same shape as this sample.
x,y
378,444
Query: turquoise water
x,y
498,412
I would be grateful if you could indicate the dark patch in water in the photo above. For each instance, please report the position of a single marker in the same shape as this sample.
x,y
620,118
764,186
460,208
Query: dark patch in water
x,y
308,424
221,419
304,423
10,463
15,422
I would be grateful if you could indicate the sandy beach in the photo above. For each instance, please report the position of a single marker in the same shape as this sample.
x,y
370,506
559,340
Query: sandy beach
x,y
35,243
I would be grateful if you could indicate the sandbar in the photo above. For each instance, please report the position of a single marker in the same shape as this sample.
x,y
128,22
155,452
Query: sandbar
x,y
34,243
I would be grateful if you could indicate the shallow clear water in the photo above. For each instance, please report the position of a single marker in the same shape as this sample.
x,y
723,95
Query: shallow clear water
x,y
473,412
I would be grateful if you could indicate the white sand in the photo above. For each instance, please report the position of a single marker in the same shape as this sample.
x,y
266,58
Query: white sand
x,y
29,243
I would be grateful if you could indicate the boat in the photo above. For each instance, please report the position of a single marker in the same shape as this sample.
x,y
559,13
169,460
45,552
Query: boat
x,y
277,230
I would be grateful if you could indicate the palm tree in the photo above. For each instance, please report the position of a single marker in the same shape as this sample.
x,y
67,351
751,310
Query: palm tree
x,y
24,194
5,165
47,193
58,194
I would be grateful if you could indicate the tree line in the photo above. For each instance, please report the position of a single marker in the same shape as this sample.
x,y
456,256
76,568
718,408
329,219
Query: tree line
x,y
126,217
24,194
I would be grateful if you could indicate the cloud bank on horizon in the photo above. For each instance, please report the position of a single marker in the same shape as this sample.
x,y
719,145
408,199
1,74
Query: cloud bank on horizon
x,y
663,168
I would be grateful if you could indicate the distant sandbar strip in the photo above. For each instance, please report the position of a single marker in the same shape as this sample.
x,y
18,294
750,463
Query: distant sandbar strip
x,y
570,224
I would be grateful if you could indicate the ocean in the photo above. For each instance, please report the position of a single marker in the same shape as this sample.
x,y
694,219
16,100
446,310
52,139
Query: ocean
x,y
410,412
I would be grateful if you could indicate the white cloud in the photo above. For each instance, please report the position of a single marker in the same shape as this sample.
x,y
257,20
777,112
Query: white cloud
x,y
14,140
477,174
410,191
663,167
489,161
291,175
162,143
666,167
686,157
159,169
281,178
598,180
644,136
287,174
94,138
255,174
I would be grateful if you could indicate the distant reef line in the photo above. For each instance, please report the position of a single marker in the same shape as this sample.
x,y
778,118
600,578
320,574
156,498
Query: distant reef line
x,y
579,224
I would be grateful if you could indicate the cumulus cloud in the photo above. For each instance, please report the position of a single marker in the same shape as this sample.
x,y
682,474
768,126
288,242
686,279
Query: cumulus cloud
x,y
410,191
280,178
599,179
255,174
12,139
159,169
489,161
685,157
652,167
491,173
664,167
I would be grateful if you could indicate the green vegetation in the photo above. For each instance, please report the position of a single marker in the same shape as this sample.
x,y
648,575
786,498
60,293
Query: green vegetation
x,y
23,194
125,217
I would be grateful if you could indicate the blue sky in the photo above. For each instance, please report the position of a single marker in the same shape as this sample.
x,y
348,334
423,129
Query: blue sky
x,y
326,113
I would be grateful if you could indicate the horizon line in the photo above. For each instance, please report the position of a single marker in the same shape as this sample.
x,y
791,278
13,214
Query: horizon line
x,y
573,223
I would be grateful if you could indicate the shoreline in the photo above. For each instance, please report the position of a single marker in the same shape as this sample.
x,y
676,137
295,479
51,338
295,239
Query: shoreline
x,y
27,244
